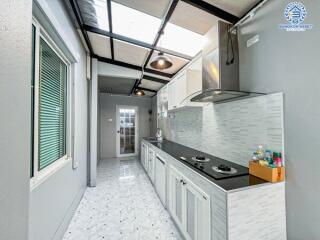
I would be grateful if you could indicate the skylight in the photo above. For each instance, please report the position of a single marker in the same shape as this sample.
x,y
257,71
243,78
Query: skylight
x,y
181,40
100,7
134,24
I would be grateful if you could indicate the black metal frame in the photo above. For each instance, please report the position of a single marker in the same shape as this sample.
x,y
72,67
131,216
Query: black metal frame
x,y
110,27
209,8
200,4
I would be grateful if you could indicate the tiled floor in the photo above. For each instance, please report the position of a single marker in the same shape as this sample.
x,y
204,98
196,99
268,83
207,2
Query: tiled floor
x,y
123,206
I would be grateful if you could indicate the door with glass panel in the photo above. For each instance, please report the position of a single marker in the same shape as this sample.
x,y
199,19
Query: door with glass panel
x,y
127,131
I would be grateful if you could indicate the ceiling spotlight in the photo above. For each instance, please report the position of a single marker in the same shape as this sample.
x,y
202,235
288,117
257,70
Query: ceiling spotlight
x,y
161,62
139,93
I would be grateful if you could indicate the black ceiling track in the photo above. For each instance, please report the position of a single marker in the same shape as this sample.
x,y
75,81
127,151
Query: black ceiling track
x,y
165,20
132,41
160,32
154,79
128,65
213,10
110,27
77,13
134,86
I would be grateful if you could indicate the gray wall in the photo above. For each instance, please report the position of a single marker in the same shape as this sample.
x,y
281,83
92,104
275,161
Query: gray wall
x,y
289,62
53,202
154,116
107,105
15,79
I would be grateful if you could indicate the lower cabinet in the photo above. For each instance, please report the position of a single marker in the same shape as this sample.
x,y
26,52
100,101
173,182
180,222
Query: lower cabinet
x,y
189,206
144,156
151,164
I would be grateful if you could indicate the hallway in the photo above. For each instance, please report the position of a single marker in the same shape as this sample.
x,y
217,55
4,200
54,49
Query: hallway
x,y
124,205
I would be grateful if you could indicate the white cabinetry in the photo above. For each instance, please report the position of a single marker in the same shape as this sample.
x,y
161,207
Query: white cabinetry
x,y
162,102
186,83
189,206
144,156
151,164
160,178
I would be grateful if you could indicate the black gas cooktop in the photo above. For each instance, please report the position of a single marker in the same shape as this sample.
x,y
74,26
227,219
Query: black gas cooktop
x,y
215,167
226,181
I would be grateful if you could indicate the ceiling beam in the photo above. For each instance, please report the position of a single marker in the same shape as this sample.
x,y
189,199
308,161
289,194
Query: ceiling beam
x,y
218,12
134,86
133,41
76,11
110,27
146,89
154,79
131,66
165,20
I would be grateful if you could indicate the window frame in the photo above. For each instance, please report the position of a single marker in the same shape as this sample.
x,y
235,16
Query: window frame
x,y
38,176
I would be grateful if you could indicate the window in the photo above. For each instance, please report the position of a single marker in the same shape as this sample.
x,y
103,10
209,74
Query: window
x,y
49,98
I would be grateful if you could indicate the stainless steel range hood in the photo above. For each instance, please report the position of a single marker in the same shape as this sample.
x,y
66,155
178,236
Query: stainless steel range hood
x,y
220,67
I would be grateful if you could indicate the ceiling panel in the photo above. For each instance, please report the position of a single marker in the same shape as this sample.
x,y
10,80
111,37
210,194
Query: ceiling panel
x,y
192,18
156,8
237,8
95,13
177,62
150,84
149,94
115,85
129,53
134,24
181,40
100,45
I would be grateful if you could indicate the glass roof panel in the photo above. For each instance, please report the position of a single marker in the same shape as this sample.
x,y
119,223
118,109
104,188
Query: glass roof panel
x,y
95,13
181,40
134,24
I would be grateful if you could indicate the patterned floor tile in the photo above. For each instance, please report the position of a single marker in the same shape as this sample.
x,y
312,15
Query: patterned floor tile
x,y
123,206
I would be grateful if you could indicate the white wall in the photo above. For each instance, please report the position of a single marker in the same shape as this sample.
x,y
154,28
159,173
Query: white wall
x,y
52,203
15,80
107,108
289,62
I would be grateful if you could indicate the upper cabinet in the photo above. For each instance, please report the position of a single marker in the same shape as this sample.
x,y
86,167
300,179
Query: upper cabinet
x,y
177,93
162,102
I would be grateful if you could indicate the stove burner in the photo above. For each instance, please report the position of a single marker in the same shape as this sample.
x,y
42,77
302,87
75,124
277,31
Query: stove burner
x,y
200,159
224,169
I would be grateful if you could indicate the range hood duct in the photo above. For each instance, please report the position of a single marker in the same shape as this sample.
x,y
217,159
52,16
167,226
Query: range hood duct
x,y
220,67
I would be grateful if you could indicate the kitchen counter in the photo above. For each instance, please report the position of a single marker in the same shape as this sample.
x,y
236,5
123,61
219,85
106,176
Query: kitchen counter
x,y
176,150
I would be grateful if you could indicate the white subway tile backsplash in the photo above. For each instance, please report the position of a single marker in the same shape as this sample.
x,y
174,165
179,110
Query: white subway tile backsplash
x,y
230,130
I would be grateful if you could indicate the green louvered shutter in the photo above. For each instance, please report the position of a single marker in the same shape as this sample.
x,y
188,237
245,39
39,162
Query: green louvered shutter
x,y
52,106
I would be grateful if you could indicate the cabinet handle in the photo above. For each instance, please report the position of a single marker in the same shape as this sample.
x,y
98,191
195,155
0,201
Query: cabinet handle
x,y
161,160
183,182
204,197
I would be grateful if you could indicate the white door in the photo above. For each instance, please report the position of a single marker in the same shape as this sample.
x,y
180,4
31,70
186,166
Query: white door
x,y
127,131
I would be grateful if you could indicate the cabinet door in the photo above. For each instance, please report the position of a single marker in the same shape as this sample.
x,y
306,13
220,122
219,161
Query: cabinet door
x,y
142,159
160,178
176,197
171,95
197,221
151,156
180,89
146,160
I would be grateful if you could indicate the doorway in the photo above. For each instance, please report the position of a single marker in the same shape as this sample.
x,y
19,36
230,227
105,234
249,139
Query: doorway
x,y
127,131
